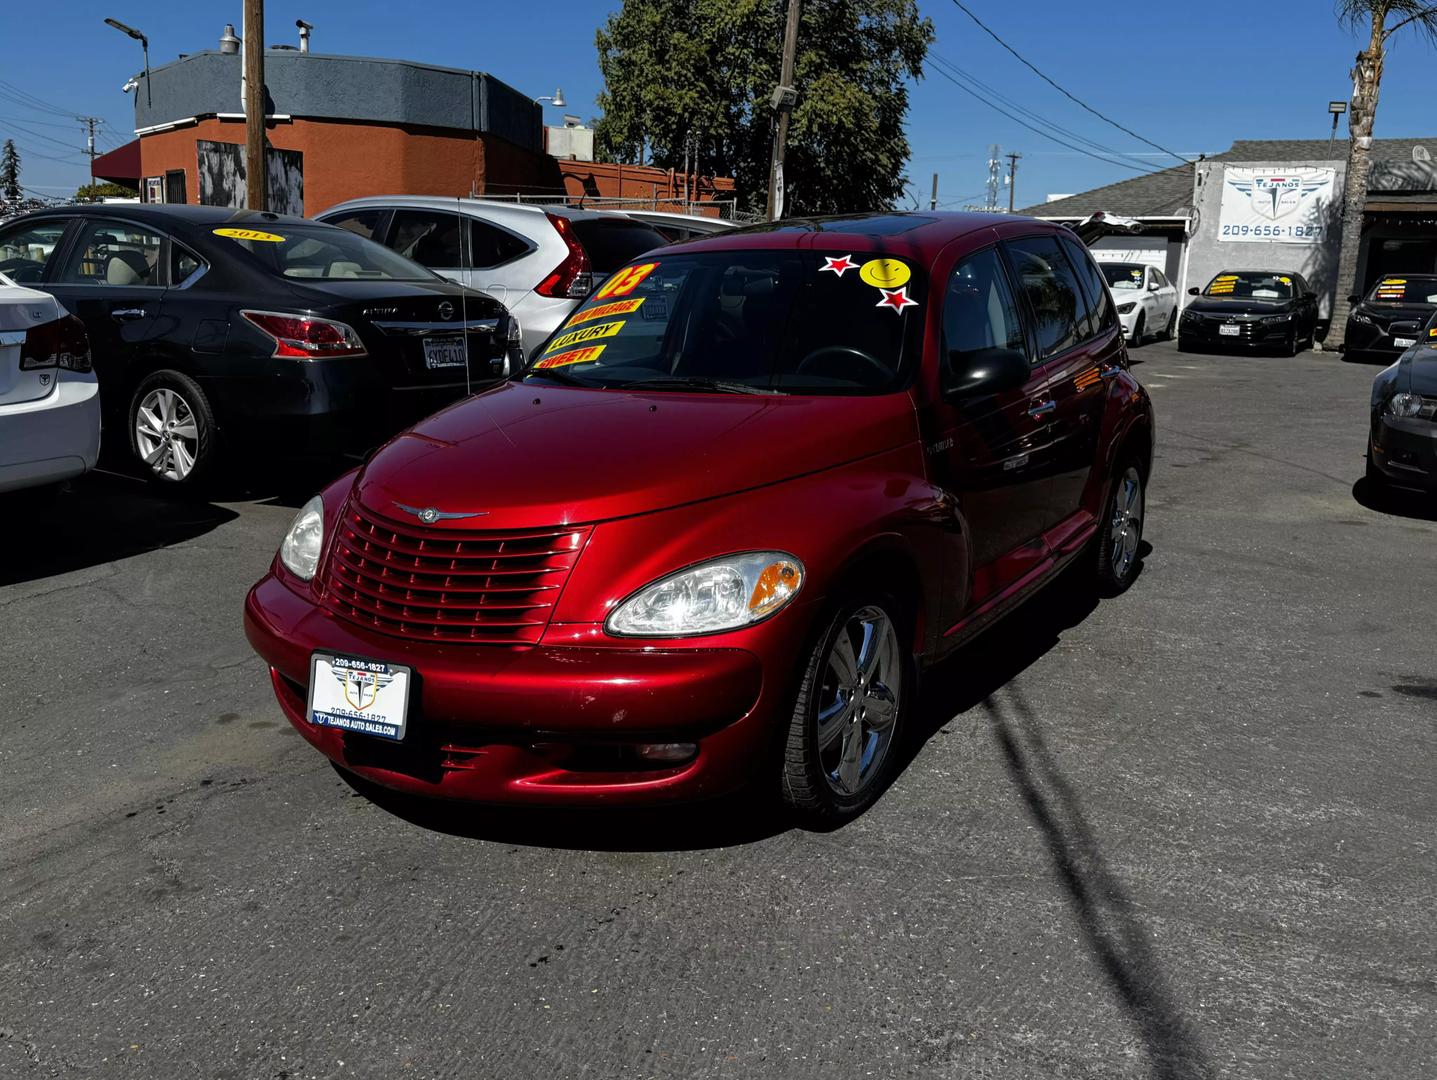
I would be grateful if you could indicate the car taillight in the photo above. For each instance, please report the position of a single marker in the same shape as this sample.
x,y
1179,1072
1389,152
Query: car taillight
x,y
306,336
571,279
62,343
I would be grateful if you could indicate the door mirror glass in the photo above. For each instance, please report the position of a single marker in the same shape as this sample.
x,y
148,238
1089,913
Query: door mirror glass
x,y
1354,299
984,371
1153,286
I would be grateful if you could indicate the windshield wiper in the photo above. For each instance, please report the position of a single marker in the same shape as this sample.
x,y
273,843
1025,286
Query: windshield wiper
x,y
697,382
555,375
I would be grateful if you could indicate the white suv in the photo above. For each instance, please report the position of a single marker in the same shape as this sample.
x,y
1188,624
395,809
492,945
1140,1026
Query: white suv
x,y
538,261
49,400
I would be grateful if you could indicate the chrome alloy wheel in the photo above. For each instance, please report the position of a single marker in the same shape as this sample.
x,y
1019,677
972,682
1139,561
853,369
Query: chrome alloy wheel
x,y
166,434
858,701
1127,523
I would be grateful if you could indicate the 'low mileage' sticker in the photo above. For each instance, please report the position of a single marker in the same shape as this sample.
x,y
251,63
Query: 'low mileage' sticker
x,y
603,311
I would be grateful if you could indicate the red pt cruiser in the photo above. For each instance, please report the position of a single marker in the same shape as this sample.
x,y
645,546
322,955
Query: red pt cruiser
x,y
712,531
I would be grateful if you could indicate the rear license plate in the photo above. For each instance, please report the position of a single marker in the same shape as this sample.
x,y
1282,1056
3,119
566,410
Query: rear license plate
x,y
444,352
351,693
1229,330
1404,342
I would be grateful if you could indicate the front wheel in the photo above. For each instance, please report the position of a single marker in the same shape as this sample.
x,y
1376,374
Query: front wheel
x,y
1121,531
846,721
1172,328
172,429
1139,329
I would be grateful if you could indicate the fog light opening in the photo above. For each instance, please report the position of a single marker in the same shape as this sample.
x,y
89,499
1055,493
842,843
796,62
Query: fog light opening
x,y
667,752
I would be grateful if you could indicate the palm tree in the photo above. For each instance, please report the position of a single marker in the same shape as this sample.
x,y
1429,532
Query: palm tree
x,y
1381,19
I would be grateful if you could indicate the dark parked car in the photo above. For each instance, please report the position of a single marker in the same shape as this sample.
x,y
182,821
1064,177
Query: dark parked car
x,y
1250,310
216,330
766,476
1402,441
1390,317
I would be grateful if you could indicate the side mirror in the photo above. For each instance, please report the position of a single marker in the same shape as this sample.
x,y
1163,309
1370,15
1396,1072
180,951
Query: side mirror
x,y
1354,299
1194,291
1153,286
985,371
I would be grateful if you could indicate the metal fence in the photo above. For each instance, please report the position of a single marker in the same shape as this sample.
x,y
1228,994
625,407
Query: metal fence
x,y
727,209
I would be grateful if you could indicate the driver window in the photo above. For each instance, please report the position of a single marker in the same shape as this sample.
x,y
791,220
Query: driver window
x,y
979,311
26,249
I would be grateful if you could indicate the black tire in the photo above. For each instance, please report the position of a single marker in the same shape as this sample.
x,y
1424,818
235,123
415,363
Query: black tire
x,y
169,469
1114,572
1138,331
1172,327
1376,482
1292,346
813,781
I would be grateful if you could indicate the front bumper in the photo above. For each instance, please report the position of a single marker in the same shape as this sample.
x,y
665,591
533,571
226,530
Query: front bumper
x,y
1250,335
539,725
53,438
1405,451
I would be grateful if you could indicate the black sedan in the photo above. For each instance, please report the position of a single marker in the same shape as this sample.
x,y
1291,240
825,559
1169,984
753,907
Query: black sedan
x,y
1402,442
1387,320
221,332
1251,309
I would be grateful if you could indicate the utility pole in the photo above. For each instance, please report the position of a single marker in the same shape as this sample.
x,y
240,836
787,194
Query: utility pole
x,y
254,168
933,202
784,99
91,123
1012,178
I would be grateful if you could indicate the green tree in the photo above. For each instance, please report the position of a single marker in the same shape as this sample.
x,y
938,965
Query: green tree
x,y
104,189
1379,20
10,171
697,75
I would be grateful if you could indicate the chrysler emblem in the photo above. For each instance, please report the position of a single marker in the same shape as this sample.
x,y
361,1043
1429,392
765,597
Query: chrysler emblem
x,y
446,309
429,514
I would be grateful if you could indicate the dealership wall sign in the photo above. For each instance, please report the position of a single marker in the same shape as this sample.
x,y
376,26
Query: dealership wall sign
x,y
1282,206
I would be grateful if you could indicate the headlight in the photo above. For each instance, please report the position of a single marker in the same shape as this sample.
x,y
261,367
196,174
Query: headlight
x,y
1404,404
1124,309
1271,319
305,540
1358,316
720,595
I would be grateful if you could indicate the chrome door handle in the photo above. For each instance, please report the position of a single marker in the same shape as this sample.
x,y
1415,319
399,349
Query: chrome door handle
x,y
1111,372
1046,407
128,313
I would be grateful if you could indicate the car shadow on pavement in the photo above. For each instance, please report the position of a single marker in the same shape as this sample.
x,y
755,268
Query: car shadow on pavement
x,y
1395,502
99,518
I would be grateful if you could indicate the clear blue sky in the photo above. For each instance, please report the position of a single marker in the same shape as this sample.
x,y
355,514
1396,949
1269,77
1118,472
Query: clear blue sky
x,y
1186,78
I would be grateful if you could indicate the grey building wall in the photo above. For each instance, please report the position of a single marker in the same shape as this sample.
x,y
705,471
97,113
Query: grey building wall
x,y
1208,255
344,88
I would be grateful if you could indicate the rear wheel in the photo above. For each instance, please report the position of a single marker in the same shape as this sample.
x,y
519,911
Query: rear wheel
x,y
172,429
840,749
1121,530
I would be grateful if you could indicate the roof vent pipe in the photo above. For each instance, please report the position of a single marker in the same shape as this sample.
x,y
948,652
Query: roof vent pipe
x,y
304,32
229,44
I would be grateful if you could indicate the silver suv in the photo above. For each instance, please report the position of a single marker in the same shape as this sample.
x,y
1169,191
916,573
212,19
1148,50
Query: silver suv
x,y
538,261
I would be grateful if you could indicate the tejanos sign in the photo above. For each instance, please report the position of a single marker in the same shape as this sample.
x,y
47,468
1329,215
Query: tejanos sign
x,y
1282,206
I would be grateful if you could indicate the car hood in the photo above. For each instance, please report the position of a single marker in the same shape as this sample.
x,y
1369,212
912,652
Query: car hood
x,y
527,456
1390,313
1417,370
1243,305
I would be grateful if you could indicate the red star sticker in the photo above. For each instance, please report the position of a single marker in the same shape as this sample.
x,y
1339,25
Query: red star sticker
x,y
897,299
838,265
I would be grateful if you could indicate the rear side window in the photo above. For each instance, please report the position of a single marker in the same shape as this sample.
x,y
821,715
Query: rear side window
x,y
492,246
118,255
979,310
1060,314
25,249
614,242
1101,315
360,222
429,237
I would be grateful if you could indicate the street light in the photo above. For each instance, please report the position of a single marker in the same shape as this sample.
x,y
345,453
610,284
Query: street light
x,y
1336,108
144,44
557,100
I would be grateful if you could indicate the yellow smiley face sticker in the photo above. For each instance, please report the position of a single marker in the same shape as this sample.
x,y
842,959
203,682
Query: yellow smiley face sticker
x,y
885,273
250,234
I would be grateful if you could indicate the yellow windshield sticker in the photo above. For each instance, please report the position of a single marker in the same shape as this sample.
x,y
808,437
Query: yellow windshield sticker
x,y
250,234
588,333
1395,281
573,356
625,281
885,273
603,311
1226,277
1285,280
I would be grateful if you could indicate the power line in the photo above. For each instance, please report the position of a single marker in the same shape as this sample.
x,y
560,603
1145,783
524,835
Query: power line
x,y
1064,91
24,97
42,135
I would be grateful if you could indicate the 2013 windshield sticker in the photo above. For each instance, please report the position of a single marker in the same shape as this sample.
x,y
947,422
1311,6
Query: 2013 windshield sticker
x,y
625,281
838,264
603,311
897,299
586,355
250,234
588,333
885,273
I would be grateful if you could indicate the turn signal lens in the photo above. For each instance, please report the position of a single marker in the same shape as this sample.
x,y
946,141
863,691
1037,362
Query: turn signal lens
x,y
724,594
302,545
305,336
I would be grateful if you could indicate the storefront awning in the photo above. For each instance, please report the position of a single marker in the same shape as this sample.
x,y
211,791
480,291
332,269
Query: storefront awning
x,y
120,166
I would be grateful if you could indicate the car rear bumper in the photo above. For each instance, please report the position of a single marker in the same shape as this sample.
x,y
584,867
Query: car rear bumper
x,y
1405,451
540,725
53,438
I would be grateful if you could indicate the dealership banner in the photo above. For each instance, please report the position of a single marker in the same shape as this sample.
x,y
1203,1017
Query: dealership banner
x,y
1282,206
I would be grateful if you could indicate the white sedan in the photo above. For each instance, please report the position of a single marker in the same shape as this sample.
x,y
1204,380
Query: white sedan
x,y
1147,301
49,400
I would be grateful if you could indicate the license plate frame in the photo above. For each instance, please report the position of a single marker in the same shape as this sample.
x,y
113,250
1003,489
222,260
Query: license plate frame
x,y
443,352
338,684
1230,330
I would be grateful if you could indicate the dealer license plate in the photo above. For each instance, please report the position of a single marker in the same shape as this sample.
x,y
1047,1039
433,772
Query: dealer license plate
x,y
352,693
444,352
1229,330
1404,342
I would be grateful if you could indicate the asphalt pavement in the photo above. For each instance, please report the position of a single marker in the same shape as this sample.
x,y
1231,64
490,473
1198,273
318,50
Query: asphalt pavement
x,y
1185,833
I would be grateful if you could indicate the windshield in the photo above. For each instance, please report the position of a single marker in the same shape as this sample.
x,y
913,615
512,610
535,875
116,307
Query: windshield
x,y
1123,275
1251,284
322,251
748,321
1405,289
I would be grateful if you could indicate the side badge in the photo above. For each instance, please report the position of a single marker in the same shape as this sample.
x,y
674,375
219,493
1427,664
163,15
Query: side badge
x,y
45,379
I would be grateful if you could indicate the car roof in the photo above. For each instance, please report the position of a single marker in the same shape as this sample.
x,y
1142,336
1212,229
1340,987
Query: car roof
x,y
497,209
161,214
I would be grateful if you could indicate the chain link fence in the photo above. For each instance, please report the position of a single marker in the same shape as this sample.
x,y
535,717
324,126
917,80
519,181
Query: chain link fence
x,y
727,209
